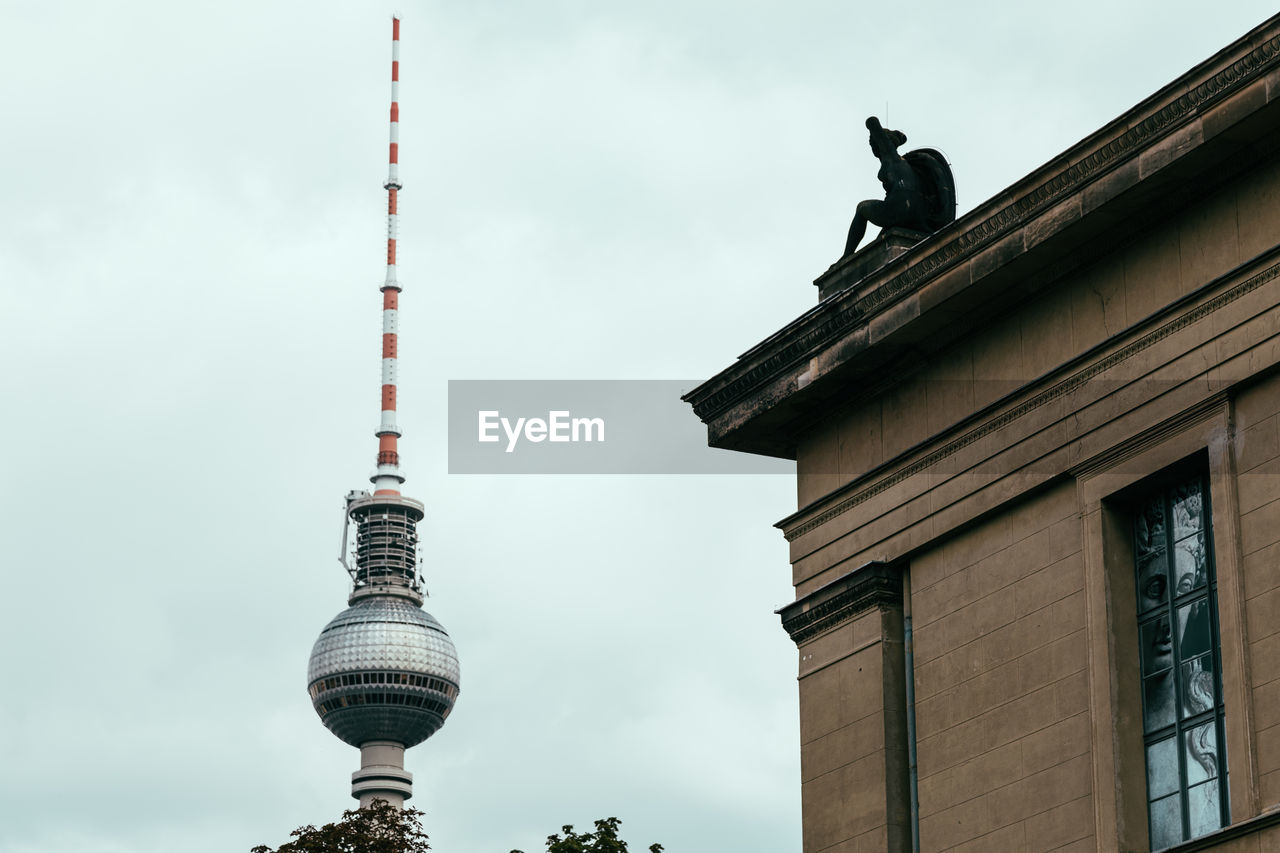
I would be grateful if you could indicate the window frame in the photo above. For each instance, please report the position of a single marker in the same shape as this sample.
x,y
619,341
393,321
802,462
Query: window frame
x,y
1106,482
1162,489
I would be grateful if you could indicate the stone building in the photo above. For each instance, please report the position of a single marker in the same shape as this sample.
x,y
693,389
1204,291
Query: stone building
x,y
1036,553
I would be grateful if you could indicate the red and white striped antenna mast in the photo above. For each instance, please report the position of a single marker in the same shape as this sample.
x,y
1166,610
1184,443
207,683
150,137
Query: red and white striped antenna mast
x,y
387,478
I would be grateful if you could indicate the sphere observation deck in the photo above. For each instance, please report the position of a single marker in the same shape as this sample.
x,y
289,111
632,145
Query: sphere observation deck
x,y
383,670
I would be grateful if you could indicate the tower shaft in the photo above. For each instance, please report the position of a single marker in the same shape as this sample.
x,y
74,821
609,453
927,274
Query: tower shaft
x,y
382,775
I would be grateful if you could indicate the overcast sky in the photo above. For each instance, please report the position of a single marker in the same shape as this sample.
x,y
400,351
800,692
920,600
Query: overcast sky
x,y
191,239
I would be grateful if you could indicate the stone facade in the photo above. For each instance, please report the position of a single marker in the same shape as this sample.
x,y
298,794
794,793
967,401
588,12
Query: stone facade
x,y
976,422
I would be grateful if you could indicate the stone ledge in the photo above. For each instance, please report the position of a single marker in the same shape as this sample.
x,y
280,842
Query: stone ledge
x,y
1244,829
872,585
889,244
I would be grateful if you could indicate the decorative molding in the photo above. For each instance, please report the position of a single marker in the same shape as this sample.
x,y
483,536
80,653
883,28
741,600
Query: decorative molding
x,y
1066,386
871,585
1215,405
845,309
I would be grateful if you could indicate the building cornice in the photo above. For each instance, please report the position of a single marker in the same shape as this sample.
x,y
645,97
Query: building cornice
x,y
869,586
1146,141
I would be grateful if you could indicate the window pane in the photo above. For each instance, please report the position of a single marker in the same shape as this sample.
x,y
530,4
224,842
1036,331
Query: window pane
x,y
1194,638
1149,529
1206,815
1188,509
1189,564
1157,701
1166,822
1202,753
1153,581
1197,685
1157,645
1162,768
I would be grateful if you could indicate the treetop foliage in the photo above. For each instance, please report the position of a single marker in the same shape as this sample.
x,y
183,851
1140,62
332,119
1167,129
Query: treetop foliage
x,y
378,828
383,828
604,840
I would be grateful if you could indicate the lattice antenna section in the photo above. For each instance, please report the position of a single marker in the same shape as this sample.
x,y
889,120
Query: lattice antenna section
x,y
387,544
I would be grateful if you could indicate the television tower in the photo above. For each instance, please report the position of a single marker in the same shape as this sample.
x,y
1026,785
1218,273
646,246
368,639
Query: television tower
x,y
384,674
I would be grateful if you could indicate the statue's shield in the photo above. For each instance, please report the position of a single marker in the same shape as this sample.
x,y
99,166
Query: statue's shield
x,y
937,183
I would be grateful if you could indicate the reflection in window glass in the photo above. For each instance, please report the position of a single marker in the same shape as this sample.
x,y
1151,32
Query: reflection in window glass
x,y
1193,629
1187,508
1157,645
1157,702
1189,564
1166,821
1162,768
1149,535
1202,801
1198,685
1179,655
1202,753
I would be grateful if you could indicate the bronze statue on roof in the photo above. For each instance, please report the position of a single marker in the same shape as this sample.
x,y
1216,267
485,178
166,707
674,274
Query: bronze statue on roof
x,y
919,190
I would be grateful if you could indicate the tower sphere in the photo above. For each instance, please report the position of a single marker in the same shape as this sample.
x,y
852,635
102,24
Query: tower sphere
x,y
383,670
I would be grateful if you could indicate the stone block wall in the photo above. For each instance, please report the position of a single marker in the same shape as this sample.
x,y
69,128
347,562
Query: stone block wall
x,y
1002,722
1257,462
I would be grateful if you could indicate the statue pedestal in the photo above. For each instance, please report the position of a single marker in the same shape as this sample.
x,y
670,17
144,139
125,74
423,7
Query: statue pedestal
x,y
848,271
